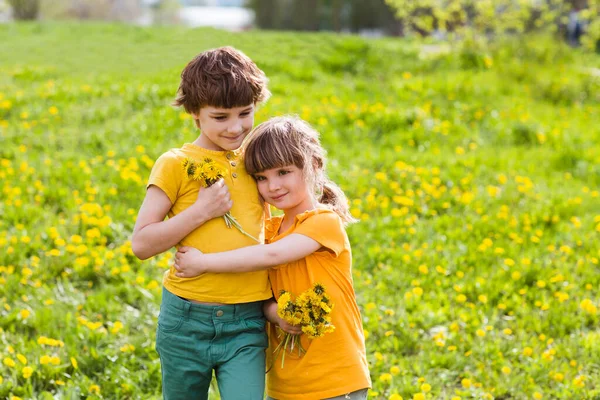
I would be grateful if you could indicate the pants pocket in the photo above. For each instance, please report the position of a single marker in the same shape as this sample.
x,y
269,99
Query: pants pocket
x,y
255,324
168,321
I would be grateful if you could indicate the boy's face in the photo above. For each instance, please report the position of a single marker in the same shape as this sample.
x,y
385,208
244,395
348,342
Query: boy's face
x,y
224,128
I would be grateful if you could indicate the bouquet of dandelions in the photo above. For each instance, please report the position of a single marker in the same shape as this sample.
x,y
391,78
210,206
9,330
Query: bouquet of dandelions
x,y
207,172
310,310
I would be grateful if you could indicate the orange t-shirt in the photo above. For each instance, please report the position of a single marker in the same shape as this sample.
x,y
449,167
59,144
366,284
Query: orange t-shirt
x,y
336,363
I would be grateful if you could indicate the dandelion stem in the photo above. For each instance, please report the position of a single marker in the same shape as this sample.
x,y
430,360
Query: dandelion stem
x,y
231,221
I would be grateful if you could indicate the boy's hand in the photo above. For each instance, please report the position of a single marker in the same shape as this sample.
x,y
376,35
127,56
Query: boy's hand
x,y
188,262
215,200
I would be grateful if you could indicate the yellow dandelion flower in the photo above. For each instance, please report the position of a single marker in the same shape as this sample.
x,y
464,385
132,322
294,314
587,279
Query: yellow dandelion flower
x,y
27,372
9,362
22,359
385,378
212,172
309,330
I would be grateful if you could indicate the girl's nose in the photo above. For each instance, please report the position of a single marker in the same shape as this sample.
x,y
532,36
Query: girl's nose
x,y
273,185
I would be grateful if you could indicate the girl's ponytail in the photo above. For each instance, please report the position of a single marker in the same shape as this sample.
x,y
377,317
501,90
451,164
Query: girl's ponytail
x,y
335,198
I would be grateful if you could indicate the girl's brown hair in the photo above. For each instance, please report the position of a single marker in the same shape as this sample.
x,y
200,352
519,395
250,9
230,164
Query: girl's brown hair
x,y
224,78
288,140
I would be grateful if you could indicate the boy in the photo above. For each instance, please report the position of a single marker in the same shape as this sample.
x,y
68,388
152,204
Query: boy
x,y
212,321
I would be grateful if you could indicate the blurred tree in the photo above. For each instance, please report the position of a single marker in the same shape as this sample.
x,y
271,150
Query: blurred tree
x,y
489,19
336,15
267,13
305,15
25,9
373,14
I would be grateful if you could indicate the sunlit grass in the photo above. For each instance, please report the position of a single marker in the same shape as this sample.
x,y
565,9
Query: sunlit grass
x,y
475,176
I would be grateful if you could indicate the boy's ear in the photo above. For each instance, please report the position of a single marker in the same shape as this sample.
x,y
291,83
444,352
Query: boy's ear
x,y
196,120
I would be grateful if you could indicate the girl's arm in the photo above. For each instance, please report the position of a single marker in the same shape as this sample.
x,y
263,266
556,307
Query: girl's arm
x,y
190,262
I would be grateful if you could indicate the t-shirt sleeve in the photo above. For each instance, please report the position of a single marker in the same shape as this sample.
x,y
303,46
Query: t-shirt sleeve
x,y
325,228
166,174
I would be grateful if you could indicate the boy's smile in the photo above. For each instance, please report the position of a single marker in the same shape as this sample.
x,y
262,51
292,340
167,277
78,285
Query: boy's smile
x,y
223,128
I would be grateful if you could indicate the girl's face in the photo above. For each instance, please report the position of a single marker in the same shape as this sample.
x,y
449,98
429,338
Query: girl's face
x,y
286,189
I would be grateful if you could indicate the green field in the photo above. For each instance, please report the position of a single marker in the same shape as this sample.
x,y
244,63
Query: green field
x,y
475,174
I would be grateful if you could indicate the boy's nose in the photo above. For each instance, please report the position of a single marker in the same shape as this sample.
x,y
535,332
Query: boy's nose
x,y
235,127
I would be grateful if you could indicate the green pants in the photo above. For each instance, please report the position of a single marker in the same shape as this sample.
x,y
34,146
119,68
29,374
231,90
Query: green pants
x,y
192,340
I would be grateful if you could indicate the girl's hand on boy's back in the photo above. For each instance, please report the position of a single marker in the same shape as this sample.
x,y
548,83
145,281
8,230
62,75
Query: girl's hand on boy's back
x,y
214,201
188,262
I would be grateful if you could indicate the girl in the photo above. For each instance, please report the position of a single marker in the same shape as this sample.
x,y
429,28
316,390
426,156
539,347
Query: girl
x,y
307,245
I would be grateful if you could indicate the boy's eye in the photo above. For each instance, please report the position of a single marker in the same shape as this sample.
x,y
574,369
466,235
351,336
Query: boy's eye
x,y
259,178
283,172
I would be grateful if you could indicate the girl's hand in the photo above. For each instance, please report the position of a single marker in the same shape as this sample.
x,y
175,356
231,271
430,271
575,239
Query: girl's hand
x,y
289,328
188,262
270,311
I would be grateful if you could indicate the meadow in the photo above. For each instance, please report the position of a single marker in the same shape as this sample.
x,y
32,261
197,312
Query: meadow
x,y
474,172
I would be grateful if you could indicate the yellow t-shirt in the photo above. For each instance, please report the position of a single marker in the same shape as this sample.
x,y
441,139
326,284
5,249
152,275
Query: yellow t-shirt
x,y
336,363
214,236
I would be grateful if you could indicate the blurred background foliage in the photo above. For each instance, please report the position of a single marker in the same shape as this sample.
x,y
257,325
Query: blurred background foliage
x,y
461,21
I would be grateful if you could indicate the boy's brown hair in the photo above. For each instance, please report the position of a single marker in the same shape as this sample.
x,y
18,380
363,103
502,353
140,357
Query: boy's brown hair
x,y
224,78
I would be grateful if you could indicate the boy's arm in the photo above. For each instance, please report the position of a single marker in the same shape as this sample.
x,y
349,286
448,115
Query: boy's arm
x,y
153,234
191,262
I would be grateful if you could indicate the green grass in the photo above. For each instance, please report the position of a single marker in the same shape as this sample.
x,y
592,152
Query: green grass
x,y
475,174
